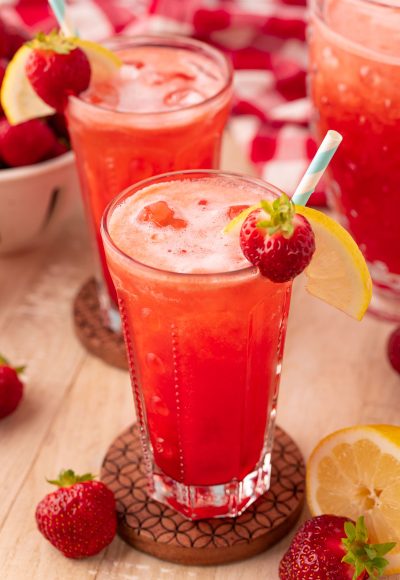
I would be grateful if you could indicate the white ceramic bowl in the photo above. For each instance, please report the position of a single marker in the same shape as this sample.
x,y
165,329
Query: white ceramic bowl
x,y
35,200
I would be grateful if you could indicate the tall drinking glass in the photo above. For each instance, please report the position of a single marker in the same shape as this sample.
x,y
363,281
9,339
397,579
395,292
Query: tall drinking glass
x,y
165,109
204,333
355,87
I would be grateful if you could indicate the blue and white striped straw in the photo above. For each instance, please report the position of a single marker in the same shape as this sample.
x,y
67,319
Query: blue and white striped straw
x,y
317,167
59,9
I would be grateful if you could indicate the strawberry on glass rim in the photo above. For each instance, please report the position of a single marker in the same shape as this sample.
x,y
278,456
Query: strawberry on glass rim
x,y
48,69
57,68
277,239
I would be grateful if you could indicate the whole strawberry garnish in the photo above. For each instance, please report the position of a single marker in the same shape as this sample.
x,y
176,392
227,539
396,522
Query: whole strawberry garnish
x,y
333,548
79,519
57,68
25,143
277,240
11,388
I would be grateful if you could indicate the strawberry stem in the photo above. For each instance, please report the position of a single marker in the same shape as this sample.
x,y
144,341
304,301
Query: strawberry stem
x,y
281,213
6,363
55,41
3,361
361,555
68,477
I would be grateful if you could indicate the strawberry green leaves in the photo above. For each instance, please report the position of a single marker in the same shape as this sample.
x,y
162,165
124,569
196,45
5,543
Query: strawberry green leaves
x,y
363,556
68,477
280,213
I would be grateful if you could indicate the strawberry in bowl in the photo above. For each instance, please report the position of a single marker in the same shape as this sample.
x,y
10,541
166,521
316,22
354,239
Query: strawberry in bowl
x,y
38,180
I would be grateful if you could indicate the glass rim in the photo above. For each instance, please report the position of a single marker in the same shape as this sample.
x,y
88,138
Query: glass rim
x,y
382,3
107,239
162,40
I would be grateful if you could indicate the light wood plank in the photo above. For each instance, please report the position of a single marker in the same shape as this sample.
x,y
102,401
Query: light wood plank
x,y
36,329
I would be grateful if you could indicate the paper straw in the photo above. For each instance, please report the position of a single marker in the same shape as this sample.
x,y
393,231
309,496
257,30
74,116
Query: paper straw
x,y
317,167
59,9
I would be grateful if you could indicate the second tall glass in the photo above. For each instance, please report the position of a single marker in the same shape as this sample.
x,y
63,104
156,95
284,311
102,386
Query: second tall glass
x,y
165,110
355,75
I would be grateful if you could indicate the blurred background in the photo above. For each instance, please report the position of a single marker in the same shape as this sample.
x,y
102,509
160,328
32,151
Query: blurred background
x,y
266,41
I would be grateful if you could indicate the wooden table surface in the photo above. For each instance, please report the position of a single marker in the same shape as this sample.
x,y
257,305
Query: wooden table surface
x,y
335,374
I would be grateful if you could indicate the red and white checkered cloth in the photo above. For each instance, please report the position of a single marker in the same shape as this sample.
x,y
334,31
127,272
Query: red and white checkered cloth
x,y
265,40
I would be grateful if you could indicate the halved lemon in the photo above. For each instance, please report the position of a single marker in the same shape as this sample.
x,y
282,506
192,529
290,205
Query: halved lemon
x,y
337,273
356,471
19,100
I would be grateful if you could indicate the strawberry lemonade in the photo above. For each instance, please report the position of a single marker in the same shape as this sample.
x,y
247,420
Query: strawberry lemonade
x,y
205,335
164,109
355,76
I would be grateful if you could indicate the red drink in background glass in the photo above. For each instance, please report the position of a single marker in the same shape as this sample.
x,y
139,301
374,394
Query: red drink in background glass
x,y
204,333
355,87
165,109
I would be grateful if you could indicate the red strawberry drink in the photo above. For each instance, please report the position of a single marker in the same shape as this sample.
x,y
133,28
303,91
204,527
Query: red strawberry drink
x,y
205,334
355,76
165,109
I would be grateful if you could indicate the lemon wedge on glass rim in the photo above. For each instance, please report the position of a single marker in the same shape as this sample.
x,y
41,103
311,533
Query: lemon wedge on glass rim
x,y
19,100
356,471
337,273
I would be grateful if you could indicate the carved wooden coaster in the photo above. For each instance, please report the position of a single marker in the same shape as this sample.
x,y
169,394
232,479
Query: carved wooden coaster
x,y
97,338
156,529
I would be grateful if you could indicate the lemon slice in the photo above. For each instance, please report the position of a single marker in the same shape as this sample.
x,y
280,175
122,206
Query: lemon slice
x,y
19,100
356,471
103,62
236,223
337,272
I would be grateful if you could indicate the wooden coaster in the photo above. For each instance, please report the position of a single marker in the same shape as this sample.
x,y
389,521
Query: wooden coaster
x,y
156,529
97,338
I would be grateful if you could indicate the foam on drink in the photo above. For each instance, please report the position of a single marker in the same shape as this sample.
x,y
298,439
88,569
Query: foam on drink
x,y
178,225
157,79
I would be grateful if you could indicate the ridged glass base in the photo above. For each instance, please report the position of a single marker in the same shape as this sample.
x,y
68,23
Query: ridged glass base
x,y
213,501
109,311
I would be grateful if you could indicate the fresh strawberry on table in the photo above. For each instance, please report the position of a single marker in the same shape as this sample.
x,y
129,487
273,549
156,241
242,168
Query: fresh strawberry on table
x,y
277,240
57,68
11,387
79,518
333,548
